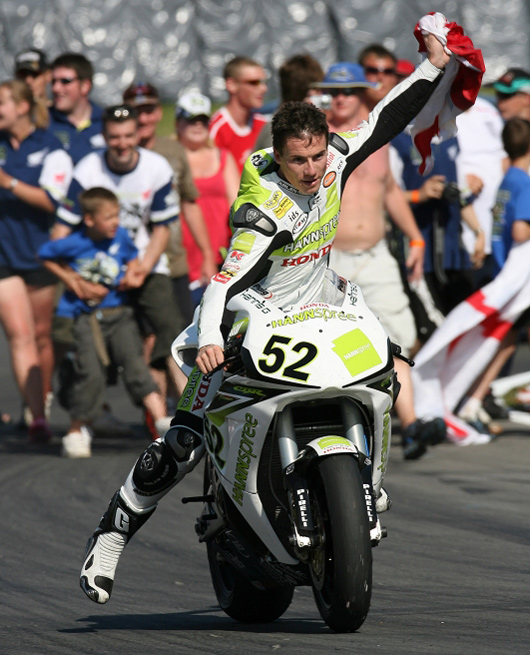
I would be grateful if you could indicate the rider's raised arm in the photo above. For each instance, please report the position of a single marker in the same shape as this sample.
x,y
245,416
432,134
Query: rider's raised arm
x,y
255,237
390,116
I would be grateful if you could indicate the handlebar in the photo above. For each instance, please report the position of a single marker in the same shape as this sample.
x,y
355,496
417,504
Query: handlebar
x,y
396,352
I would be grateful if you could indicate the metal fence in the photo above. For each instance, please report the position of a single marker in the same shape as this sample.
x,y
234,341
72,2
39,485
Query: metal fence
x,y
180,45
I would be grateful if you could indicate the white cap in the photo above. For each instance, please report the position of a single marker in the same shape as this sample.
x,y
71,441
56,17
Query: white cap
x,y
192,105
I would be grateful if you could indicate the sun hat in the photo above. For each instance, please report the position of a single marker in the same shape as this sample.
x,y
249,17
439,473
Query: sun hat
x,y
31,59
192,105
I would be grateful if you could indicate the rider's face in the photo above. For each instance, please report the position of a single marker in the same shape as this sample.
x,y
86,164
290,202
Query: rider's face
x,y
303,162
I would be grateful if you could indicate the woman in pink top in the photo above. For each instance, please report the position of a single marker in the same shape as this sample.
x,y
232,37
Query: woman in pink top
x,y
216,176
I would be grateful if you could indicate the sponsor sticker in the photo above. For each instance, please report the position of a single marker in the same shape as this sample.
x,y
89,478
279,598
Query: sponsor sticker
x,y
283,207
356,351
236,255
300,224
244,457
329,179
310,257
273,201
244,242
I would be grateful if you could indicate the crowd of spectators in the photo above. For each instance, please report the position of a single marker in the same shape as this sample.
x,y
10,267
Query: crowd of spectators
x,y
111,231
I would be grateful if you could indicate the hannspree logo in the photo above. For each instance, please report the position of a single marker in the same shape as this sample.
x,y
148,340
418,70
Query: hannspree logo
x,y
356,351
309,314
244,457
335,443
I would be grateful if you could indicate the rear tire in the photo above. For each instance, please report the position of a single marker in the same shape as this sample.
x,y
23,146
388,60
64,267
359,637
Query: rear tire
x,y
341,568
236,596
239,598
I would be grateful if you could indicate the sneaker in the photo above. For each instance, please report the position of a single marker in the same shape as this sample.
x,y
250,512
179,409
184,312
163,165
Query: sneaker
x,y
493,409
77,444
39,431
474,419
477,439
413,446
26,418
433,432
102,554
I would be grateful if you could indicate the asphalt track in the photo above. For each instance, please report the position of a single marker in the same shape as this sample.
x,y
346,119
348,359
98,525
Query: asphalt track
x,y
451,578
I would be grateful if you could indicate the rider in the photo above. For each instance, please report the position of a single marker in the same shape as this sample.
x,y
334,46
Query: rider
x,y
284,221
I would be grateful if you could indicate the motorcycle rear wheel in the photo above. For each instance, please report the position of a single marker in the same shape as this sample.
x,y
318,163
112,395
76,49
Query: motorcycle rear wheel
x,y
239,598
341,567
236,596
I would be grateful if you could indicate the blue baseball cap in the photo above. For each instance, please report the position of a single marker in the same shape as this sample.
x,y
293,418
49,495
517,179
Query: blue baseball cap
x,y
345,75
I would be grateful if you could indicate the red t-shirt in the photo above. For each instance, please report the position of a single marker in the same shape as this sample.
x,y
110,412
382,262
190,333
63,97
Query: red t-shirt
x,y
238,140
215,208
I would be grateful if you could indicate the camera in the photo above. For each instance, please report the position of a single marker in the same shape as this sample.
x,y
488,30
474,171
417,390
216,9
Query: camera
x,y
451,193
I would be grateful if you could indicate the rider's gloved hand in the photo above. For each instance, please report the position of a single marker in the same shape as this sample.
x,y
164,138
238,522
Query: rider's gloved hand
x,y
209,357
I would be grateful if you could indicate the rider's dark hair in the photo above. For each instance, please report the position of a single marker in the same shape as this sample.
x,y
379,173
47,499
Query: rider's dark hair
x,y
298,120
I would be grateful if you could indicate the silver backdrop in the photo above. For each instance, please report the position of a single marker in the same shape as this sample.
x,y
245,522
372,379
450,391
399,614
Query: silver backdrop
x,y
182,45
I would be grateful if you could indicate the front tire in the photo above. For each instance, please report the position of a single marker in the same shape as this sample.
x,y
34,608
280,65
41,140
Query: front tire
x,y
341,566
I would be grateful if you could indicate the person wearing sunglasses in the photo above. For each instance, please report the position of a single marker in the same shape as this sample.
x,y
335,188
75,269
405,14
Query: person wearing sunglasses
x,y
216,176
32,67
236,125
75,120
512,90
379,68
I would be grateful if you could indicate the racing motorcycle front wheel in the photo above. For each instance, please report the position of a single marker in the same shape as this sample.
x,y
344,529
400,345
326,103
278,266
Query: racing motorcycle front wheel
x,y
341,564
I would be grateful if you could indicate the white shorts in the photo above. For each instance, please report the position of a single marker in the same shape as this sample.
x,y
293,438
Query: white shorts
x,y
377,273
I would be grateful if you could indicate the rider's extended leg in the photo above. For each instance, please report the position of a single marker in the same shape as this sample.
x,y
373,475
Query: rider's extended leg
x,y
159,468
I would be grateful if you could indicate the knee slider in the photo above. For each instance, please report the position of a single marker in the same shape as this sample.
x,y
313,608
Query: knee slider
x,y
156,470
121,518
183,442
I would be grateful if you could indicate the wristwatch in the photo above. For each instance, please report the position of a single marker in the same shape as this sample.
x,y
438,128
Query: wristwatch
x,y
13,183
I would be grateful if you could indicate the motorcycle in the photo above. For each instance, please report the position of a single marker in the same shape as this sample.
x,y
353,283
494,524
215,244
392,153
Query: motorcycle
x,y
297,440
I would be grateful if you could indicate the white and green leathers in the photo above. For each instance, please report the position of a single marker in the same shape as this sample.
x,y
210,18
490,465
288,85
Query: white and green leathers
x,y
281,238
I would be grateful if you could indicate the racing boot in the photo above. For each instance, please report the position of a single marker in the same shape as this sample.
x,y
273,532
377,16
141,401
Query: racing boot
x,y
105,546
160,467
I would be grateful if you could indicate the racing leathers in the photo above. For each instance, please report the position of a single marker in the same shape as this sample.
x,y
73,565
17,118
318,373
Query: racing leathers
x,y
281,240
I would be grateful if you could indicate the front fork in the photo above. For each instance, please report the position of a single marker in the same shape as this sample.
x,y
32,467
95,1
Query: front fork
x,y
295,464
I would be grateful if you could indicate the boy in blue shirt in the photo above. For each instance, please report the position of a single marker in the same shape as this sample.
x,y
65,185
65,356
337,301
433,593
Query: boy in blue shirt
x,y
511,213
97,265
